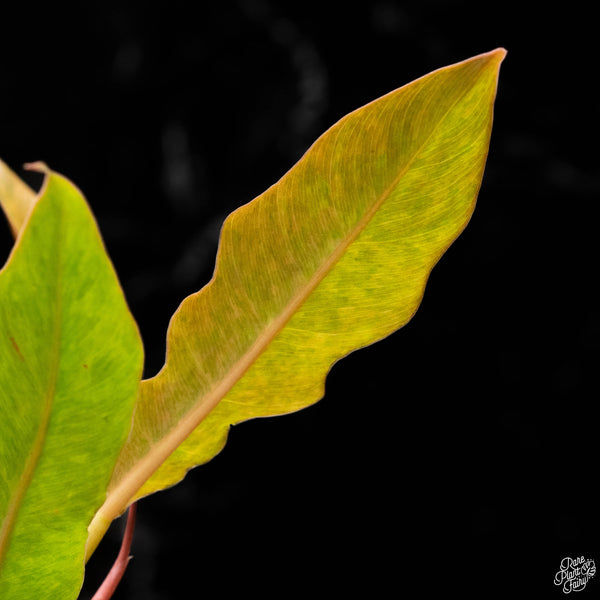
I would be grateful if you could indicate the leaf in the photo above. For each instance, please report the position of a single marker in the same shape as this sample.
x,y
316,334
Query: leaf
x,y
333,257
70,366
16,198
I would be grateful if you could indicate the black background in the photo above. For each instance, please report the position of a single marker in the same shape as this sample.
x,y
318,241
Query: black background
x,y
461,453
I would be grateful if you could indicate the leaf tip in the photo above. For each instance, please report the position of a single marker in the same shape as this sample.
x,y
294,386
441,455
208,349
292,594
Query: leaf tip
x,y
498,55
38,166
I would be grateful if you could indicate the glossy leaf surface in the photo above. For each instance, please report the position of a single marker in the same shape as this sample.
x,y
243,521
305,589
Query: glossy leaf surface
x,y
70,365
333,257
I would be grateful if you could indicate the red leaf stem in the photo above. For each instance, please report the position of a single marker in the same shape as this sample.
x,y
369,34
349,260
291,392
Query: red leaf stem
x,y
109,585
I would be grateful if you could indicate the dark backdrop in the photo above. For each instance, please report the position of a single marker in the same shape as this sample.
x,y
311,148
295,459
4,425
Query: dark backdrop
x,y
459,454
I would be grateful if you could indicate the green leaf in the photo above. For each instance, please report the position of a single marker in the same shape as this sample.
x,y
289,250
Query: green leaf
x,y
70,366
333,257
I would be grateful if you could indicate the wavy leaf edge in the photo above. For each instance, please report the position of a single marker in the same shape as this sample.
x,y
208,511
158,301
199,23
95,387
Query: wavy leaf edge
x,y
120,496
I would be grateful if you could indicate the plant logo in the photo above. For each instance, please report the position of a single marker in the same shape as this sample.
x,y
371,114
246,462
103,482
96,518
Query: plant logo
x,y
574,573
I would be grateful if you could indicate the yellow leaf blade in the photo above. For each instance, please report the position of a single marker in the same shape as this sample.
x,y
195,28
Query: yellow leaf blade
x,y
333,257
16,198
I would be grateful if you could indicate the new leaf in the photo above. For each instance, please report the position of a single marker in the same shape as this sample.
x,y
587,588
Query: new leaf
x,y
333,257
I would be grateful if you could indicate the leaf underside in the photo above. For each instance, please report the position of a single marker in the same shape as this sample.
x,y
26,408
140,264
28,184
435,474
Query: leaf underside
x,y
70,365
333,257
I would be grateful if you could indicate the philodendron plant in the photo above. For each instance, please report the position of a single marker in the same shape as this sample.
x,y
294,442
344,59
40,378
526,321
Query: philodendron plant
x,y
333,257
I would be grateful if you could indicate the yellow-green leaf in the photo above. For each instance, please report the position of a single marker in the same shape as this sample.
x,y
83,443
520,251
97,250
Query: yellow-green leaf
x,y
70,366
333,257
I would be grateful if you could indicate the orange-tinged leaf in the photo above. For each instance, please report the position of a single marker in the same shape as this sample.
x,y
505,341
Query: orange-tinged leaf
x,y
333,257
